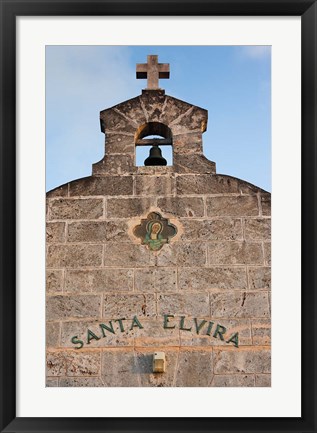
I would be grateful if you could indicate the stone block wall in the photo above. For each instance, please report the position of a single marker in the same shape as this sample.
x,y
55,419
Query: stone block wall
x,y
217,269
203,298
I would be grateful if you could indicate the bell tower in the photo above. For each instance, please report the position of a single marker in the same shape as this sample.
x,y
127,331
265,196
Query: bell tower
x,y
153,113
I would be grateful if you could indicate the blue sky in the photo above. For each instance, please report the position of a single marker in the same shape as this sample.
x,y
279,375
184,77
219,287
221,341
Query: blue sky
x,y
232,82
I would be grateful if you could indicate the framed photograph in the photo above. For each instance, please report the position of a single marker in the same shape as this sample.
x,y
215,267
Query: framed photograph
x,y
137,296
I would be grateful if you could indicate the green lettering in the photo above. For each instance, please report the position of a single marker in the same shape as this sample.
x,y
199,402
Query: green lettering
x,y
135,322
234,339
198,327
211,324
166,321
91,336
220,330
108,328
181,326
75,340
120,324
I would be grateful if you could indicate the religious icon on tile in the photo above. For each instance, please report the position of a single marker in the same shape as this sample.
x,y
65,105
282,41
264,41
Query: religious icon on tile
x,y
155,231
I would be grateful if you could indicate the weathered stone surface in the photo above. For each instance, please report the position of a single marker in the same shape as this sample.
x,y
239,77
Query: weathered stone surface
x,y
167,256
82,364
258,228
55,364
182,254
212,278
239,304
242,326
119,368
198,336
182,206
232,381
55,232
249,188
127,254
72,363
231,360
194,304
54,281
152,103
114,165
129,305
191,254
173,109
106,338
188,143
51,382
99,280
188,340
240,205
131,109
217,229
195,368
261,332
67,208
266,204
101,231
107,186
119,143
92,382
267,253
206,184
52,334
263,380
154,185
156,279
235,253
64,306
60,191
145,367
71,256
114,121
260,278
154,334
155,170
193,163
128,207
194,119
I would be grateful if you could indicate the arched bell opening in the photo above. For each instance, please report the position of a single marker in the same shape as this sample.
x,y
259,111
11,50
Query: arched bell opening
x,y
153,145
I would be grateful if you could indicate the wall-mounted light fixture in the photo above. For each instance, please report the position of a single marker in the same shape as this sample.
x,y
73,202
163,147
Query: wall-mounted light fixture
x,y
159,362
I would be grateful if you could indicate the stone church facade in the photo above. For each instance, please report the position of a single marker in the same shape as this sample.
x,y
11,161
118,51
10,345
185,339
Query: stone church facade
x,y
157,275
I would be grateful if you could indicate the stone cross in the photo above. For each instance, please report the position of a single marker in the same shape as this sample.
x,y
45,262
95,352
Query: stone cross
x,y
152,70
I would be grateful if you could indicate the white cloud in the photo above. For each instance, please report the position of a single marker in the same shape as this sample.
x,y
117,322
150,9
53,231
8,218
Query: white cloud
x,y
256,51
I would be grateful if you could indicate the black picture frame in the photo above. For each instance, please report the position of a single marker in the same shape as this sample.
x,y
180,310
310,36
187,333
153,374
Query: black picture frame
x,y
10,9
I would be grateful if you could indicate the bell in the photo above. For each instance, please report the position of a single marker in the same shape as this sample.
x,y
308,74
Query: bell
x,y
155,157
